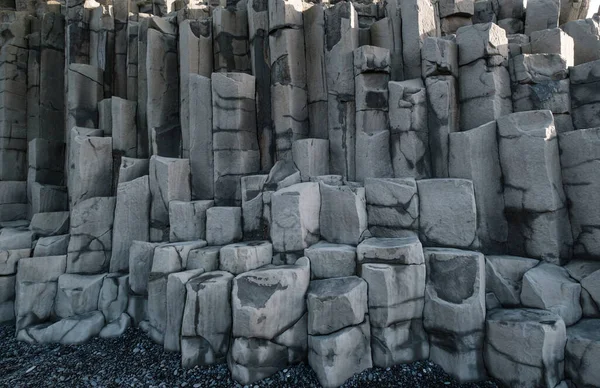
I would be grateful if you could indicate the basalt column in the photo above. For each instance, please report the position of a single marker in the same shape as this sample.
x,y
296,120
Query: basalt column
x,y
288,75
235,142
258,25
341,27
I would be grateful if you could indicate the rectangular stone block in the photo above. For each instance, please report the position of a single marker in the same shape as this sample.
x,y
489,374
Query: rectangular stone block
x,y
392,205
541,15
90,167
201,137
409,130
442,119
538,224
474,156
418,22
553,41
230,40
188,220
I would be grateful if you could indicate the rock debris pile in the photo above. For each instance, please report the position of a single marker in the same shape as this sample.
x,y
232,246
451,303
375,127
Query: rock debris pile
x,y
346,183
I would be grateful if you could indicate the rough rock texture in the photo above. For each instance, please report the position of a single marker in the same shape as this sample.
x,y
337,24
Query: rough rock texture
x,y
582,348
536,359
454,311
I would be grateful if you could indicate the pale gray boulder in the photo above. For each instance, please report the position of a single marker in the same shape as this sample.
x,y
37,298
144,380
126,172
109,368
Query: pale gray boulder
x,y
541,15
525,347
483,40
206,258
230,54
454,311
283,174
295,213
137,309
112,300
9,260
223,225
42,197
329,260
553,41
175,307
474,156
206,323
439,56
584,102
336,303
538,68
77,294
116,328
402,250
400,343
338,356
187,220
245,256
169,181
504,277
75,330
343,215
549,287
90,168
447,213
200,135
396,292
35,290
538,224
410,136
172,257
50,223
585,34
578,155
141,254
392,205
267,301
311,157
16,238
582,351
90,244
132,220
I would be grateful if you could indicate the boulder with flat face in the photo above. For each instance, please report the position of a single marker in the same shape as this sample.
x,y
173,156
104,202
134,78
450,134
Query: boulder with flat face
x,y
454,311
246,256
187,220
403,250
74,330
266,301
329,260
392,205
295,213
504,277
447,213
223,225
338,356
77,294
343,216
335,303
525,347
535,203
550,287
206,324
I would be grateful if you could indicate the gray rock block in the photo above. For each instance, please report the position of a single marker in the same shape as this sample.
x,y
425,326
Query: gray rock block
x,y
187,220
50,224
338,356
331,260
69,331
206,324
77,294
399,343
295,213
481,41
447,213
343,214
403,250
267,301
141,254
246,256
504,278
549,287
396,293
541,15
223,225
454,311
392,203
206,258
113,299
525,347
334,304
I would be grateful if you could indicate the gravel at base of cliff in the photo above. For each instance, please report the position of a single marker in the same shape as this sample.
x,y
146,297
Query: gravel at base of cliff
x,y
133,360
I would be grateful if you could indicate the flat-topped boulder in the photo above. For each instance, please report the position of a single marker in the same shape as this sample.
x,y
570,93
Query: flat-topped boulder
x,y
407,250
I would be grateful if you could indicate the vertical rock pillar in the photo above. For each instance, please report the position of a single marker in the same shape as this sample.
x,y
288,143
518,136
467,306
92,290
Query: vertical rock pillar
x,y
341,24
